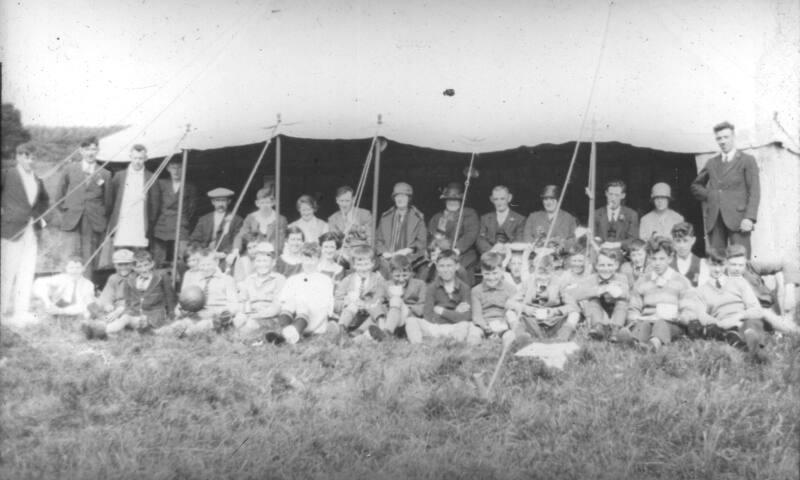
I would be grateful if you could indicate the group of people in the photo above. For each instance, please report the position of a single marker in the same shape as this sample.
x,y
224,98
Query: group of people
x,y
459,275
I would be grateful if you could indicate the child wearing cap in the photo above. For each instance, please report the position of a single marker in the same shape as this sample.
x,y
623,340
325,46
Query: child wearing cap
x,y
149,301
265,221
447,312
218,227
685,262
405,295
67,295
660,305
359,298
603,297
259,292
780,319
112,298
401,229
728,308
329,245
489,298
661,219
306,301
541,308
291,260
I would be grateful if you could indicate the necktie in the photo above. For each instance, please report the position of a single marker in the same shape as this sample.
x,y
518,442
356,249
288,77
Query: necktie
x,y
719,283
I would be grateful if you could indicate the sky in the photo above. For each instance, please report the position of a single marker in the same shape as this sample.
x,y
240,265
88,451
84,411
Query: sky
x,y
522,71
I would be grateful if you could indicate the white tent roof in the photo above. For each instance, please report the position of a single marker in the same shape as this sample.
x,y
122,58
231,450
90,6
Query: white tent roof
x,y
521,71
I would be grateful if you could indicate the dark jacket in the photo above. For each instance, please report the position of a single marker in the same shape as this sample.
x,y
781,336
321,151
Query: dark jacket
x,y
513,228
467,235
625,229
204,232
156,302
93,199
731,189
15,211
415,238
166,222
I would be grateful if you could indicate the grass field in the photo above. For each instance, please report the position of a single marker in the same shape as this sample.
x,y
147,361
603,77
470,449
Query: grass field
x,y
214,407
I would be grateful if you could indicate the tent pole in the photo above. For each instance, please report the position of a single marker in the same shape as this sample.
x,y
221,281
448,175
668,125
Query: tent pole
x,y
376,177
590,190
278,232
181,191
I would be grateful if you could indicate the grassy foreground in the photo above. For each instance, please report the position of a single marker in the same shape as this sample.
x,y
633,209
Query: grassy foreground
x,y
211,407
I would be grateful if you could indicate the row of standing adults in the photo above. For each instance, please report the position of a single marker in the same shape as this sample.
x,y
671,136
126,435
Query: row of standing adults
x,y
94,204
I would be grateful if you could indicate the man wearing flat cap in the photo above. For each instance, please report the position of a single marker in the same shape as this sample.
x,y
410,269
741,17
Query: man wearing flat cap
x,y
538,223
661,219
218,226
443,224
401,229
501,226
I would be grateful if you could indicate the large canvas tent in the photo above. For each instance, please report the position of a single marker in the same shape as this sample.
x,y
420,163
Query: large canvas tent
x,y
525,78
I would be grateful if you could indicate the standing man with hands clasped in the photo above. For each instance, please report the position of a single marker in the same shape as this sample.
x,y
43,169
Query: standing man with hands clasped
x,y
730,191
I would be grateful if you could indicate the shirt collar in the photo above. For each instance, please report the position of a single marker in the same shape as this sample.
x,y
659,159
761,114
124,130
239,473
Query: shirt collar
x,y
729,156
23,173
666,276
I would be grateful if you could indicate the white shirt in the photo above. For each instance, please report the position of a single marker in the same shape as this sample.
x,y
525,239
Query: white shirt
x,y
727,157
131,231
176,186
218,218
501,217
29,184
89,167
310,293
684,264
614,214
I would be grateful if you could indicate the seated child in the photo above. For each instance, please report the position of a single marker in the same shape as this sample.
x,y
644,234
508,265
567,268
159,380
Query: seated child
x,y
603,297
489,297
306,301
330,244
427,271
737,265
68,295
359,298
405,295
517,263
243,266
291,260
685,262
541,308
447,311
660,304
728,307
221,300
149,301
636,265
112,298
259,292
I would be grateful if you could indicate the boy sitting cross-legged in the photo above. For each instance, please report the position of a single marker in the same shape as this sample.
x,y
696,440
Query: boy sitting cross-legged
x,y
489,297
660,305
405,295
542,307
360,296
67,295
306,301
112,298
728,307
221,300
603,296
259,292
149,301
447,312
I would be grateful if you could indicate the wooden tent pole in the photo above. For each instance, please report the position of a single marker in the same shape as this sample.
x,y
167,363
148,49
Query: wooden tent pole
x,y
181,191
278,230
375,179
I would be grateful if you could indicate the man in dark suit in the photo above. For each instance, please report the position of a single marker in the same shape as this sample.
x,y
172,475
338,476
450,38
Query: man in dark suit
x,y
87,201
133,216
164,232
23,200
219,226
401,229
616,223
729,188
538,223
504,223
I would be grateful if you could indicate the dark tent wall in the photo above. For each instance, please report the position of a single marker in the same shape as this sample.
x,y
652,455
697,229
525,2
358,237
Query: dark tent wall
x,y
318,167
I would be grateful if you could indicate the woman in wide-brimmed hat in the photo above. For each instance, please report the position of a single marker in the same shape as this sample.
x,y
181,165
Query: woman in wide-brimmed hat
x,y
538,222
443,224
